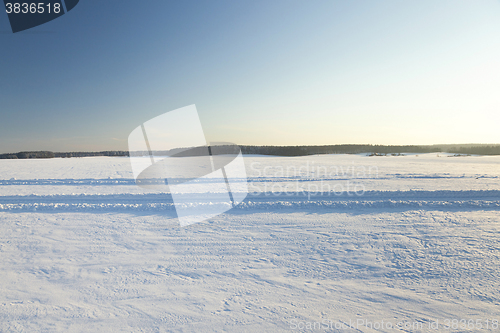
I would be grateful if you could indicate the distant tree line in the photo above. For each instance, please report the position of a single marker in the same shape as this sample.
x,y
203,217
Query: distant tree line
x,y
484,150
88,154
49,154
335,149
282,151
370,149
29,154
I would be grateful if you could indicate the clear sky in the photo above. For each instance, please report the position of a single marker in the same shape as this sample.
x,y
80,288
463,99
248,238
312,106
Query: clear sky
x,y
260,72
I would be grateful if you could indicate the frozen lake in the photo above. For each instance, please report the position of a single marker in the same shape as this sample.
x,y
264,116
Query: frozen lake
x,y
328,242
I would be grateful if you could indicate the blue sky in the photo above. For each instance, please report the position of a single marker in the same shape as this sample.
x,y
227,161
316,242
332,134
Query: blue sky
x,y
259,72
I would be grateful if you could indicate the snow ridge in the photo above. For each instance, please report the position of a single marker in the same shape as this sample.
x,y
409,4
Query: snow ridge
x,y
157,202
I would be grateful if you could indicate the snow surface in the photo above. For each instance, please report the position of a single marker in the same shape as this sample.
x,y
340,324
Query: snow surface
x,y
340,238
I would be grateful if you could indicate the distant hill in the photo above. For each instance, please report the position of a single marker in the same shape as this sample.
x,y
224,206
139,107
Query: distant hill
x,y
472,149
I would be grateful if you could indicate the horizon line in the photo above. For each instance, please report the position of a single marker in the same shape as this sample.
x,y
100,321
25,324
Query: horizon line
x,y
270,146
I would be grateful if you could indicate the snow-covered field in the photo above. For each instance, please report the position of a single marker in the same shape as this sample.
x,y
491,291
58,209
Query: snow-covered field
x,y
345,243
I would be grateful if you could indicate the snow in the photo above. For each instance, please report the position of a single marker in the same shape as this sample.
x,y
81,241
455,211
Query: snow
x,y
83,249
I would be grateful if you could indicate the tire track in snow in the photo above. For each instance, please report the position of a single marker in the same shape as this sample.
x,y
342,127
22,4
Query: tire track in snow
x,y
406,200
